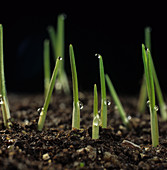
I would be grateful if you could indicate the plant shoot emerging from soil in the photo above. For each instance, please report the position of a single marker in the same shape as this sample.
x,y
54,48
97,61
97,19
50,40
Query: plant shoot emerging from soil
x,y
103,93
76,104
3,95
46,66
161,101
143,90
96,118
48,95
117,101
151,95
58,43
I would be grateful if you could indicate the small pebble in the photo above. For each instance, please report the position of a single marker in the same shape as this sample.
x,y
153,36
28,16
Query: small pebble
x,y
89,148
80,151
45,156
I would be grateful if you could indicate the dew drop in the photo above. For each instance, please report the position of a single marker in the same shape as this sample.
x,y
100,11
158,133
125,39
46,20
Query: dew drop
x,y
96,120
39,110
108,102
97,55
148,103
156,108
81,105
1,100
60,58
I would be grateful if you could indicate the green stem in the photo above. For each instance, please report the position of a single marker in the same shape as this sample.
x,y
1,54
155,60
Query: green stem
x,y
46,66
103,93
96,119
117,101
76,104
148,67
3,94
161,102
58,43
141,105
143,91
48,95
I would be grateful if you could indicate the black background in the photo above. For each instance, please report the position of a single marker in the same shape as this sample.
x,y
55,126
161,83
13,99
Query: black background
x,y
116,31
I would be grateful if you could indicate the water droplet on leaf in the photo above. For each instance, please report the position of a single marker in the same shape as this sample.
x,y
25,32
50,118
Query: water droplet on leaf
x,y
1,100
96,120
97,55
60,58
39,110
80,105
148,103
108,102
156,108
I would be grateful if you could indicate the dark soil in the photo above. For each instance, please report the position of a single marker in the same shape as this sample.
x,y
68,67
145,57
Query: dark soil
x,y
59,147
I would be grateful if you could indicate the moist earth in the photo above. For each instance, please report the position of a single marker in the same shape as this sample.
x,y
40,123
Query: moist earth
x,y
59,147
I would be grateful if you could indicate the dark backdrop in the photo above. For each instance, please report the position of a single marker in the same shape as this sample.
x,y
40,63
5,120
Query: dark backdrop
x,y
114,31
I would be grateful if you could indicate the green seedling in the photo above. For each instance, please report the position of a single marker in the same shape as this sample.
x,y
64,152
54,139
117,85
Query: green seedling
x,y
96,118
143,90
148,68
44,109
3,94
76,104
162,104
117,102
58,46
46,66
103,93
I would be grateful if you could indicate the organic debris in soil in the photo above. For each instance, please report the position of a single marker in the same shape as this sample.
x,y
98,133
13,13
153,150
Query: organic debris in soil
x,y
59,147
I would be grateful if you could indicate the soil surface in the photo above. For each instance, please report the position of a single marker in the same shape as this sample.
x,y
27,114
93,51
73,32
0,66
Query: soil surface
x,y
59,147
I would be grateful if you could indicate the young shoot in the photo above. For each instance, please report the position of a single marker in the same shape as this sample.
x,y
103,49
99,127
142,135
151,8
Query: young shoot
x,y
58,46
103,93
143,90
46,66
76,104
44,109
148,68
162,104
3,95
117,102
96,118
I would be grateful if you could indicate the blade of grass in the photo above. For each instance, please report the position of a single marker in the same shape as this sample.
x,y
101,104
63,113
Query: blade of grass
x,y
161,101
46,66
52,35
76,105
117,101
143,90
43,112
151,95
103,93
58,45
3,95
96,118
